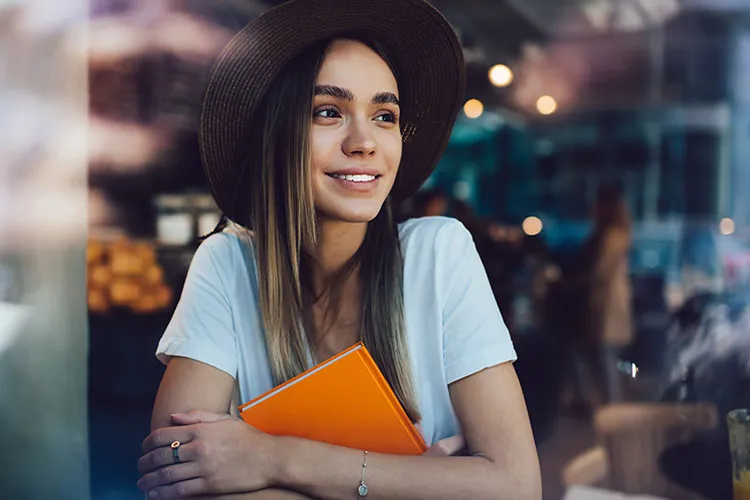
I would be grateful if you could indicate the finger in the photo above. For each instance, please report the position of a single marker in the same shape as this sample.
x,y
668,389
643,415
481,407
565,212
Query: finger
x,y
182,489
198,417
169,475
162,457
166,436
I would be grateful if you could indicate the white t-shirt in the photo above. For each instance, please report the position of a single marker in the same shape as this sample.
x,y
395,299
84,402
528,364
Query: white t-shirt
x,y
453,325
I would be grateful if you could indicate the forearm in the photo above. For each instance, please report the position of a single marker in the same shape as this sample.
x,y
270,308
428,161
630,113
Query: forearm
x,y
275,494
269,494
324,471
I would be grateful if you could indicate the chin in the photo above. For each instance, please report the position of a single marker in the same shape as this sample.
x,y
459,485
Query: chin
x,y
355,213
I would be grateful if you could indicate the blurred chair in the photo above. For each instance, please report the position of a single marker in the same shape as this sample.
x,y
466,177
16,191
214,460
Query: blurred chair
x,y
631,437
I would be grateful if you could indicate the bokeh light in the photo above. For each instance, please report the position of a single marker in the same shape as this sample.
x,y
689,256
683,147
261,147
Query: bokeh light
x,y
473,108
546,105
532,226
501,75
727,226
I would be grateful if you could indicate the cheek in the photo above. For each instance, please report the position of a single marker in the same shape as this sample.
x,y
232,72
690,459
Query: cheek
x,y
322,147
392,150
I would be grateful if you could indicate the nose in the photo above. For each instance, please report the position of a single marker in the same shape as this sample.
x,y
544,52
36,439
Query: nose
x,y
359,140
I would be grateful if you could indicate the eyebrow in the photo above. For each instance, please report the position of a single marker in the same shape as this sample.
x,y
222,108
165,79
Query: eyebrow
x,y
385,98
346,94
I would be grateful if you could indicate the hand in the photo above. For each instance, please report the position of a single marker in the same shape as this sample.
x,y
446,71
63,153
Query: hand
x,y
447,447
219,455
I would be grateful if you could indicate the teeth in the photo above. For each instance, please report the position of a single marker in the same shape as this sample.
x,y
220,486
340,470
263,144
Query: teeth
x,y
355,178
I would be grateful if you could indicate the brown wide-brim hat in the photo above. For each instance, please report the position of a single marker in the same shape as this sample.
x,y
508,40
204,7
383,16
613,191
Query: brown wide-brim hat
x,y
419,42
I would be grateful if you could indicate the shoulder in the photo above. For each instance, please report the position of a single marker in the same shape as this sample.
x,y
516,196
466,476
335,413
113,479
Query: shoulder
x,y
436,247
218,244
434,233
222,254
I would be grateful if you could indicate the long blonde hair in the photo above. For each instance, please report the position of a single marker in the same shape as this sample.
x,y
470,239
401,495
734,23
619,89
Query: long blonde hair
x,y
282,215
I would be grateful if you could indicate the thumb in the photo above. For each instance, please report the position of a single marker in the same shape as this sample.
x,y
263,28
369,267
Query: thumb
x,y
198,417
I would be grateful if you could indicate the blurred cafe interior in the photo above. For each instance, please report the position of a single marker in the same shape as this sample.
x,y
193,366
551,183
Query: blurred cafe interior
x,y
591,127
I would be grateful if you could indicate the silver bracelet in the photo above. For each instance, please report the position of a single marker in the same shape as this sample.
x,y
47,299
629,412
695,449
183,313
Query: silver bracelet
x,y
363,490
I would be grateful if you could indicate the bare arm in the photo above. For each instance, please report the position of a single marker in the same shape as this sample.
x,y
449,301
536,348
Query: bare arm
x,y
270,494
504,464
615,248
190,385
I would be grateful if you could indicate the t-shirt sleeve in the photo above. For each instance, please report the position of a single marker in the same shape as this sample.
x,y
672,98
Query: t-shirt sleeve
x,y
202,326
474,334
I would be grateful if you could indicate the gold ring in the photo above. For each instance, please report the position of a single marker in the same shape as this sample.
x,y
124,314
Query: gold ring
x,y
175,452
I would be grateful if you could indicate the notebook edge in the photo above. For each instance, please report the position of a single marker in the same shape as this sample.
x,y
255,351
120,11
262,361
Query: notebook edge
x,y
302,376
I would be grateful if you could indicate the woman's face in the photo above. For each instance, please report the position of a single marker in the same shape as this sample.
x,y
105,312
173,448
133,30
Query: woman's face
x,y
356,138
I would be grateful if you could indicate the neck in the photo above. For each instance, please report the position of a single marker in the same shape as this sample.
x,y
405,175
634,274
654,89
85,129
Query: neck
x,y
337,243
337,296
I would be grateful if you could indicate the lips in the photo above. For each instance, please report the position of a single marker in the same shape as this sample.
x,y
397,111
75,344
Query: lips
x,y
356,179
354,171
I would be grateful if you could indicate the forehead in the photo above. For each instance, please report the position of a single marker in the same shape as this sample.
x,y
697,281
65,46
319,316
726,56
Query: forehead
x,y
353,65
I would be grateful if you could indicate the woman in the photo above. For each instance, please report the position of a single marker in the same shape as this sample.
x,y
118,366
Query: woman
x,y
316,115
600,288
430,204
609,298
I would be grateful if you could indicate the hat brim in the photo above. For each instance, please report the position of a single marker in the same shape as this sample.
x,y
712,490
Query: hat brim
x,y
418,41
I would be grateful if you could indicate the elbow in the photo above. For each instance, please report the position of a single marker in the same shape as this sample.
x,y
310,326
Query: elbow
x,y
531,490
529,484
528,478
521,481
517,488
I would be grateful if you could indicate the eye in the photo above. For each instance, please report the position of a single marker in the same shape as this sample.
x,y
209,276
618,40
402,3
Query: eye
x,y
387,118
327,113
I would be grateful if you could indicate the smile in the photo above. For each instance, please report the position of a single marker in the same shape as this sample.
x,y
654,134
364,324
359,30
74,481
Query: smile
x,y
356,182
359,178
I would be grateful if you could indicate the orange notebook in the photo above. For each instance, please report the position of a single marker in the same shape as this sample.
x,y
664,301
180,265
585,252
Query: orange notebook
x,y
344,401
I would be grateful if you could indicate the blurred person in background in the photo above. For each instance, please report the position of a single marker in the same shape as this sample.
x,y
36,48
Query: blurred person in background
x,y
431,203
424,203
500,252
591,306
515,262
609,294
464,212
309,156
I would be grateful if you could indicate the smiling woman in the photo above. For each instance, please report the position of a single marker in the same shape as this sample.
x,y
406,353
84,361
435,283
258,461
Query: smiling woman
x,y
304,149
356,140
